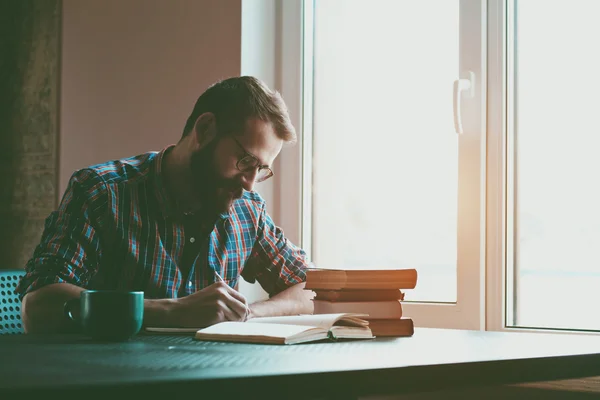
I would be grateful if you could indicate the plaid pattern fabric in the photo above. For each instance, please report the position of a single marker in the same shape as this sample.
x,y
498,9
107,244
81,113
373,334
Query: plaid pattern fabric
x,y
117,228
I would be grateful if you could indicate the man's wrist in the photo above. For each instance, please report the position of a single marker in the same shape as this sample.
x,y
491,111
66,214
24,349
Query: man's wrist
x,y
160,312
251,311
265,308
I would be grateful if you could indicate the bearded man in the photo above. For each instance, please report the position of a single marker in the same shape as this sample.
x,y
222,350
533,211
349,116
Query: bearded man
x,y
182,224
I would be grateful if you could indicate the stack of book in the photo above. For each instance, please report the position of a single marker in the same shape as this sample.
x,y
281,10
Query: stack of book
x,y
376,293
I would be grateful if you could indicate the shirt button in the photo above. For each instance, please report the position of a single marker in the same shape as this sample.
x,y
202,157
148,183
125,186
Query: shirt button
x,y
192,240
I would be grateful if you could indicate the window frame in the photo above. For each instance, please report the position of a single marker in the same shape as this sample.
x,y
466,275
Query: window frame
x,y
294,185
496,240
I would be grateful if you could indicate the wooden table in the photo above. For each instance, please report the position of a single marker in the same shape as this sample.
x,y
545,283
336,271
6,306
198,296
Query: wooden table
x,y
175,366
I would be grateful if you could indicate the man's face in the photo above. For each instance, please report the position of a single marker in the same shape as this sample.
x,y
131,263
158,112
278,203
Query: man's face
x,y
215,178
215,190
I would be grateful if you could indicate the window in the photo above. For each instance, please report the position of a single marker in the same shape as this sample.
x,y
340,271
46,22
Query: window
x,y
395,156
553,182
385,173
501,220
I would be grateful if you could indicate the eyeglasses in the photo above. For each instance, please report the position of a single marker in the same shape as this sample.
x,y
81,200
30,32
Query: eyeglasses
x,y
249,163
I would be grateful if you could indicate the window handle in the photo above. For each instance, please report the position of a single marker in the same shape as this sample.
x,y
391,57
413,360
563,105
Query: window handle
x,y
467,86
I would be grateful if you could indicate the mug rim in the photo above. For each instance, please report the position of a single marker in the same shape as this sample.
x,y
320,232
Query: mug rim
x,y
113,291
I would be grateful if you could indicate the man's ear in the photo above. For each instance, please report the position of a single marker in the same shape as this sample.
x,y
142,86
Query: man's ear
x,y
205,129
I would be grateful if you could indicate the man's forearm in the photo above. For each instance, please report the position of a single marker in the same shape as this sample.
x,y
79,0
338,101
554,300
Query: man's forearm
x,y
42,309
292,301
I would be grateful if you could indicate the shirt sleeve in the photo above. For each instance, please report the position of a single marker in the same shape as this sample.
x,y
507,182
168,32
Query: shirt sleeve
x,y
69,249
275,262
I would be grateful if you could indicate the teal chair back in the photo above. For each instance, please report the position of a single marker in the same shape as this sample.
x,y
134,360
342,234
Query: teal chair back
x,y
10,305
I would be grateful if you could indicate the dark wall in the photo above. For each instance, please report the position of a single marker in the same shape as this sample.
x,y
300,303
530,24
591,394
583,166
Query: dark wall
x,y
29,90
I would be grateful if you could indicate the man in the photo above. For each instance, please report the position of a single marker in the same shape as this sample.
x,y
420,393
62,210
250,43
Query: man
x,y
182,224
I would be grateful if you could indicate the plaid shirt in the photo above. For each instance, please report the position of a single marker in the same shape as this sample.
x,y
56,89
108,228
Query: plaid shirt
x,y
117,228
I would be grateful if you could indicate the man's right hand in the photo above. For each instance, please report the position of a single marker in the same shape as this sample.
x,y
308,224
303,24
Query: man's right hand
x,y
215,303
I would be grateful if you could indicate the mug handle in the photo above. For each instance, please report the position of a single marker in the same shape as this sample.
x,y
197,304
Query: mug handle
x,y
67,309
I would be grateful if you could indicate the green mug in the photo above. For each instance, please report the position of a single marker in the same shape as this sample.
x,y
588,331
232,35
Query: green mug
x,y
108,314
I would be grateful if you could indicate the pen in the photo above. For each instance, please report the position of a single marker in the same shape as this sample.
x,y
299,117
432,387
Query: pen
x,y
221,280
218,276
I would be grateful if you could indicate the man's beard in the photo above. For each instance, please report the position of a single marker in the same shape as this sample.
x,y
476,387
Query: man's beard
x,y
214,192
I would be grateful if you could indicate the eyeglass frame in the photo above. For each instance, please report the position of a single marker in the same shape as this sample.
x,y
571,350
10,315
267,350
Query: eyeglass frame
x,y
255,164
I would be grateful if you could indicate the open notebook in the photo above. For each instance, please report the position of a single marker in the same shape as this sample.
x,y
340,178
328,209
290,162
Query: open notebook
x,y
282,330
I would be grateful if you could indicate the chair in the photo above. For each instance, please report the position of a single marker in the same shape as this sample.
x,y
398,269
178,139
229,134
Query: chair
x,y
10,305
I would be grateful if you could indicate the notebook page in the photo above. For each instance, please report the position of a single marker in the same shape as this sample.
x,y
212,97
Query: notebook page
x,y
232,328
324,321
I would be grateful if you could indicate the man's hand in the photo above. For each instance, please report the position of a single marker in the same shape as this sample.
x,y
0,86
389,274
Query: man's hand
x,y
215,303
292,301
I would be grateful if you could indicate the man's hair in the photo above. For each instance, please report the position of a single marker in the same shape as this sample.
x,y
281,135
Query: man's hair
x,y
234,100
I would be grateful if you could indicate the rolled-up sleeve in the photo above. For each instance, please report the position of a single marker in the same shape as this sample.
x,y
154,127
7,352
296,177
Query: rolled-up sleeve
x,y
69,250
275,262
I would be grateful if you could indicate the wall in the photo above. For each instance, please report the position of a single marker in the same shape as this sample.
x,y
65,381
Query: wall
x,y
132,70
29,76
